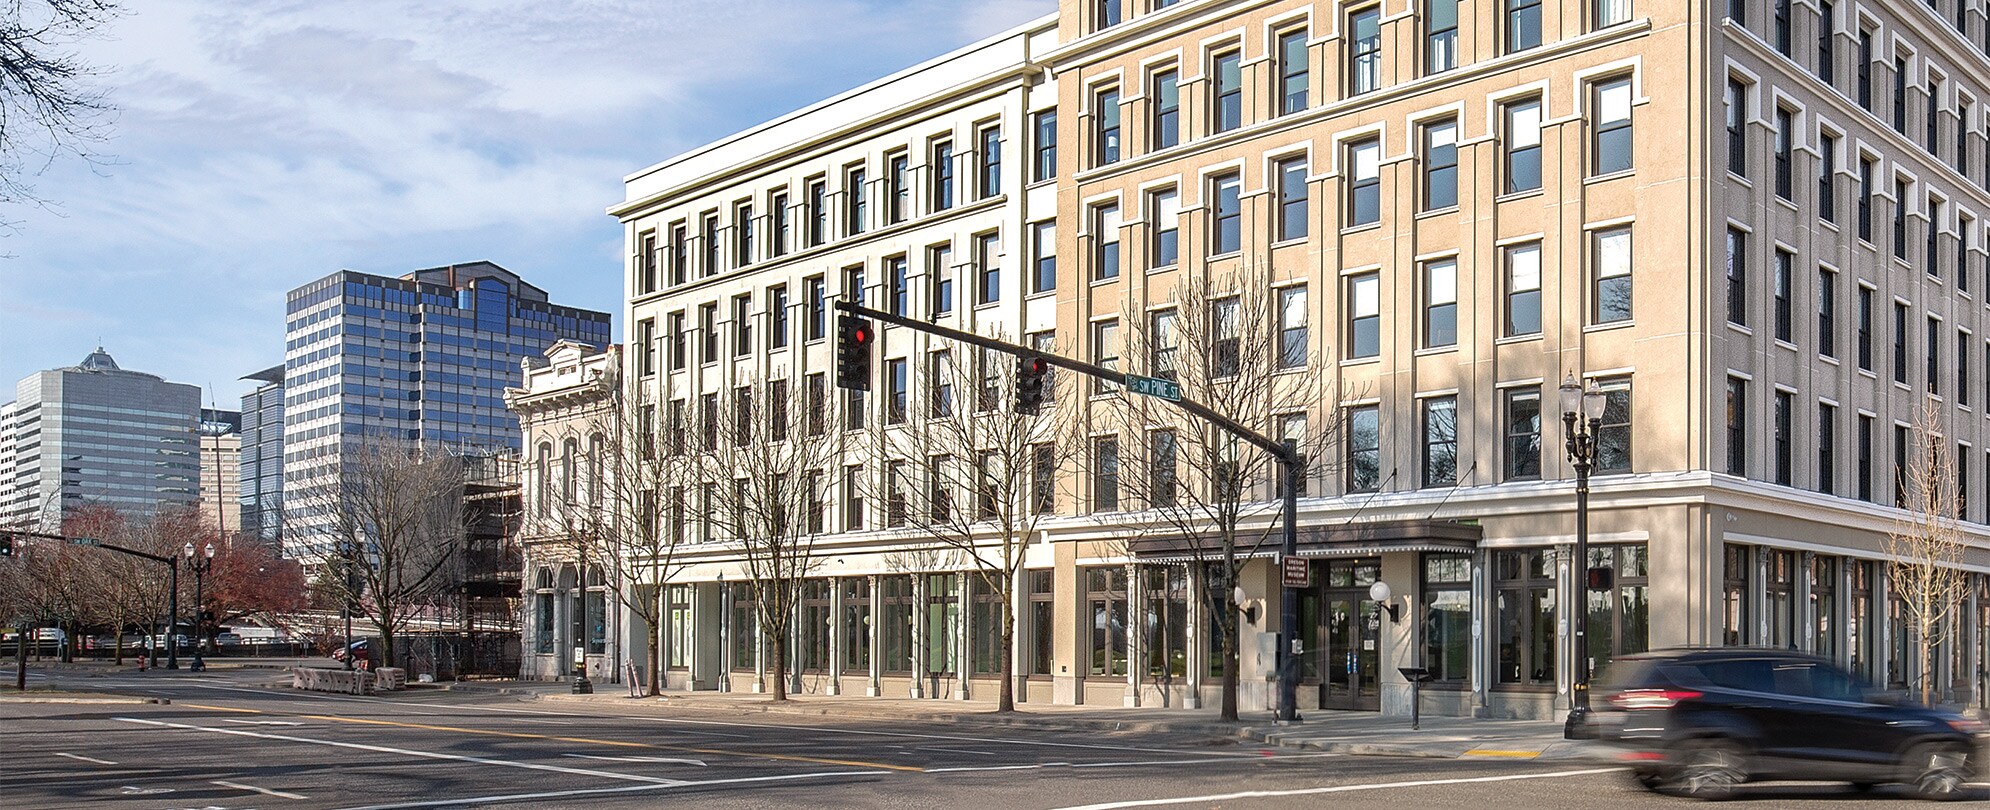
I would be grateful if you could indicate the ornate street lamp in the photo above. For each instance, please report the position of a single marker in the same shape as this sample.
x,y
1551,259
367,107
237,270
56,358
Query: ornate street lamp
x,y
200,565
1582,415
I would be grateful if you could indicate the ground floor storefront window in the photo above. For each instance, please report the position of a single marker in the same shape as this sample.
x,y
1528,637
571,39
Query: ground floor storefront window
x,y
942,624
1524,594
1165,588
856,624
1735,568
1447,623
677,626
744,629
1620,616
1105,597
1042,620
813,636
985,632
895,630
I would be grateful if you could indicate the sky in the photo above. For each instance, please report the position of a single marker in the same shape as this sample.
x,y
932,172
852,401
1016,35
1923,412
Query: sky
x,y
257,146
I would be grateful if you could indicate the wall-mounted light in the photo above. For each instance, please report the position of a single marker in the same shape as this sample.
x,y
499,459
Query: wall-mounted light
x,y
1244,604
1379,593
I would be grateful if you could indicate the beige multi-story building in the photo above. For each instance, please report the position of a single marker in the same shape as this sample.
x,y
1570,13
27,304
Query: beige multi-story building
x,y
1756,227
221,479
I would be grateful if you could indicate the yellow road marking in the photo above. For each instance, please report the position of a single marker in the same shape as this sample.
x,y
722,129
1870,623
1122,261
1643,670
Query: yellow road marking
x,y
221,708
1489,752
618,743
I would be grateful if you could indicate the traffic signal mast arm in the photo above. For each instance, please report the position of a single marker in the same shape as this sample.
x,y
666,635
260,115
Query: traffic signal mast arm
x,y
1276,448
91,541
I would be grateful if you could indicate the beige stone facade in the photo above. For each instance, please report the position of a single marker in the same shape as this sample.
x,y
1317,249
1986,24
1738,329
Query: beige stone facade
x,y
1478,200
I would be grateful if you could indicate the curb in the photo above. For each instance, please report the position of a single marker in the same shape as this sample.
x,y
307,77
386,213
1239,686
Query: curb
x,y
987,719
83,699
1512,749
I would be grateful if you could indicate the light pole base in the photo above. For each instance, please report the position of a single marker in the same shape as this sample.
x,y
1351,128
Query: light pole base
x,y
1577,726
198,665
582,686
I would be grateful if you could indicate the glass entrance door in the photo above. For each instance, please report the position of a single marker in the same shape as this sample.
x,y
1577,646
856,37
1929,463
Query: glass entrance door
x,y
1350,625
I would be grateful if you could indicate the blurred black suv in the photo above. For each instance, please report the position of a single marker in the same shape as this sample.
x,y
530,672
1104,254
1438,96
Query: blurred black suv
x,y
1699,722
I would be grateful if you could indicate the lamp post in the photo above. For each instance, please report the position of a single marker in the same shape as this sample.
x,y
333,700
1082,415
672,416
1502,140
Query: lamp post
x,y
200,565
347,574
172,616
582,686
1582,415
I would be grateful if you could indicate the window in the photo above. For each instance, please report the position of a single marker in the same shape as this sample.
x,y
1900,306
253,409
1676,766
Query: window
x,y
1440,442
1523,25
988,261
1865,331
1043,477
1619,619
1866,192
901,294
742,234
1292,327
1105,352
1785,142
1900,463
853,283
1105,111
1167,109
1524,596
1783,269
777,317
1440,36
1827,312
646,263
777,208
991,161
1364,188
818,211
853,498
1737,276
1447,620
1162,459
939,384
1105,593
708,415
1364,51
895,401
713,264
1827,177
1105,242
1613,434
942,192
1737,128
1931,258
1166,642
1785,461
708,333
940,278
1364,448
678,341
1864,71
896,503
1228,107
1440,165
1523,289
1934,340
1613,275
1226,234
855,646
1521,455
1107,13
1737,426
1044,151
1292,71
1105,474
856,201
1162,329
742,325
818,307
1042,620
742,415
990,383
894,625
1781,32
1612,12
680,254
1827,446
1900,95
1865,462
853,410
1292,199
1166,208
1900,343
1827,44
1043,264
1440,303
1962,342
1523,146
1364,324
1934,117
1226,344
646,347
939,491
898,188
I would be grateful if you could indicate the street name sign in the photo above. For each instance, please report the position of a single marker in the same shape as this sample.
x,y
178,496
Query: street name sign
x,y
1154,387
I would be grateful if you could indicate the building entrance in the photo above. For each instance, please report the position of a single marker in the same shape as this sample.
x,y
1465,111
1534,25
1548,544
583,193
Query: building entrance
x,y
1340,630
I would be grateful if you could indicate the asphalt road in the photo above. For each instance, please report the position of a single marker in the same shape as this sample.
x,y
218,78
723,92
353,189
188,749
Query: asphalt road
x,y
224,742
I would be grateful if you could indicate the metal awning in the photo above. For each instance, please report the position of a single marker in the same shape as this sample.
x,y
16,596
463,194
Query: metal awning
x,y
1341,540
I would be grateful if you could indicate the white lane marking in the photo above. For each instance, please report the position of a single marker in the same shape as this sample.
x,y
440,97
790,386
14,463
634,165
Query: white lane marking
x,y
698,762
381,749
959,751
260,722
1129,764
995,768
133,790
263,790
462,709
1266,794
520,797
84,758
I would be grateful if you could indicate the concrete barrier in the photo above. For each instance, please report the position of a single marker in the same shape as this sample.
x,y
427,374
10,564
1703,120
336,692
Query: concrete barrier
x,y
344,682
390,679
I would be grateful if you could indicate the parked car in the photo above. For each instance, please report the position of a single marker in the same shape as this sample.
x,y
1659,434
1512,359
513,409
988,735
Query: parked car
x,y
1700,722
358,650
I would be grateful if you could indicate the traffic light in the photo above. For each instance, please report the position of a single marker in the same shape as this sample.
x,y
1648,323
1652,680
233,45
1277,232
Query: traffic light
x,y
6,545
1032,374
854,337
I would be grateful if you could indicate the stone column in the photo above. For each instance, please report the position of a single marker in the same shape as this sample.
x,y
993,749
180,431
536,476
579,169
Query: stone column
x,y
964,640
835,630
918,631
872,630
1199,647
1136,635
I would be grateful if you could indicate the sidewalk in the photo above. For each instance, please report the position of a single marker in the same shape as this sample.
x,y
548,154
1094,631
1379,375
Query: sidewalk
x,y
1345,732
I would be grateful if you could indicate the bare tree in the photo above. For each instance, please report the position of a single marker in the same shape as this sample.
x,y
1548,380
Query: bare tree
x,y
46,108
968,473
396,514
1222,339
764,456
1925,549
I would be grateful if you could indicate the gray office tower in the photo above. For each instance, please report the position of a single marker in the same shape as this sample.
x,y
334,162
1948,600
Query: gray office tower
x,y
421,358
94,433
262,456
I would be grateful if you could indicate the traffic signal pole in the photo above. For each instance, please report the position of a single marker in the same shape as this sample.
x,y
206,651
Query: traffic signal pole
x,y
1287,455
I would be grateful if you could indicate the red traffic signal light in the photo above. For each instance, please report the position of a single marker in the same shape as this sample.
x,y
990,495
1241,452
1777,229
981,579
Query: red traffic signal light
x,y
1032,375
854,337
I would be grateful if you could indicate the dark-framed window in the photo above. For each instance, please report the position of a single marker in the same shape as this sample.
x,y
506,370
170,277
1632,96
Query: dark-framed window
x,y
1440,164
1165,207
855,648
856,202
1827,312
1226,234
1523,146
1166,128
1440,303
1780,34
1165,588
1440,36
1105,474
1737,128
1619,618
1364,50
818,307
985,608
1900,95
1523,25
1043,259
1440,441
1934,341
990,139
1163,337
714,245
1864,467
1737,276
1612,293
680,254
940,278
1785,172
1105,115
1292,331
777,210
1523,289
1520,454
1611,126
1866,192
1041,620
1737,426
895,606
1227,91
1863,71
1364,448
1225,338
1105,241
1613,433
818,211
1163,466
1105,597
1043,151
743,628
1364,315
853,498
901,291
1524,604
1447,618
1293,72
1364,182
895,375
1784,414
813,625
1827,177
1827,447
742,325
988,263
1827,43
1292,198
1783,269
1899,342
941,193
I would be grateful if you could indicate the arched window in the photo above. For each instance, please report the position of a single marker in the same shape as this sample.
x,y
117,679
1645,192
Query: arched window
x,y
594,481
544,581
569,450
541,483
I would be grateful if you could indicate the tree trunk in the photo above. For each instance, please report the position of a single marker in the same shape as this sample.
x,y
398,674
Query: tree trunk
x,y
779,651
1229,703
1006,702
662,608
